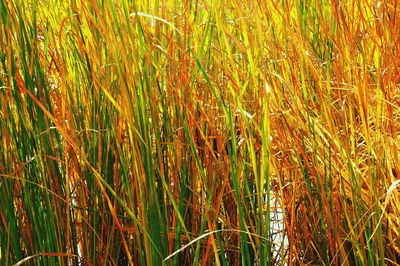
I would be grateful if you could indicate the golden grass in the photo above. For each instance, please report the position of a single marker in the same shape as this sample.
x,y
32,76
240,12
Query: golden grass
x,y
159,132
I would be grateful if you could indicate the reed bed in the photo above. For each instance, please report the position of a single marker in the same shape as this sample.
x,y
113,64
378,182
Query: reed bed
x,y
199,132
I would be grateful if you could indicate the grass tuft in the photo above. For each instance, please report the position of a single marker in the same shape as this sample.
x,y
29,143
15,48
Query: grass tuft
x,y
199,132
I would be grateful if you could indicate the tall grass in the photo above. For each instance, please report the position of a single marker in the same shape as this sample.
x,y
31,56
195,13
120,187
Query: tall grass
x,y
170,132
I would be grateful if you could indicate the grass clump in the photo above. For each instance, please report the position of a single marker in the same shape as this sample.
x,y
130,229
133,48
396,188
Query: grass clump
x,y
199,132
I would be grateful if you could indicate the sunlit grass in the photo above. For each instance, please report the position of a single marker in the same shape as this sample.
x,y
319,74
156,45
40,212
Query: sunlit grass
x,y
172,132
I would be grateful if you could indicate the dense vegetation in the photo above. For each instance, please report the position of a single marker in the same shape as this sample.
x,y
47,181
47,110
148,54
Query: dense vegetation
x,y
181,132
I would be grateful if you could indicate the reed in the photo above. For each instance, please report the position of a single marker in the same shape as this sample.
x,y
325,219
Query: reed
x,y
174,132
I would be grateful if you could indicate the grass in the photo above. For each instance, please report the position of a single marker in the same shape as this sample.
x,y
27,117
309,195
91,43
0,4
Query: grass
x,y
171,132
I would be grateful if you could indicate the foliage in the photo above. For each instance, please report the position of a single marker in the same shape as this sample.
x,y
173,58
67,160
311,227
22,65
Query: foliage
x,y
174,132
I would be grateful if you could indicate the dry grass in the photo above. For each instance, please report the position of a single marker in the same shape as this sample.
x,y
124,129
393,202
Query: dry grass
x,y
161,132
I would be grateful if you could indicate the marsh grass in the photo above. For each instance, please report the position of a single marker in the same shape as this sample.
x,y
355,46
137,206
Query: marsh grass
x,y
169,132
